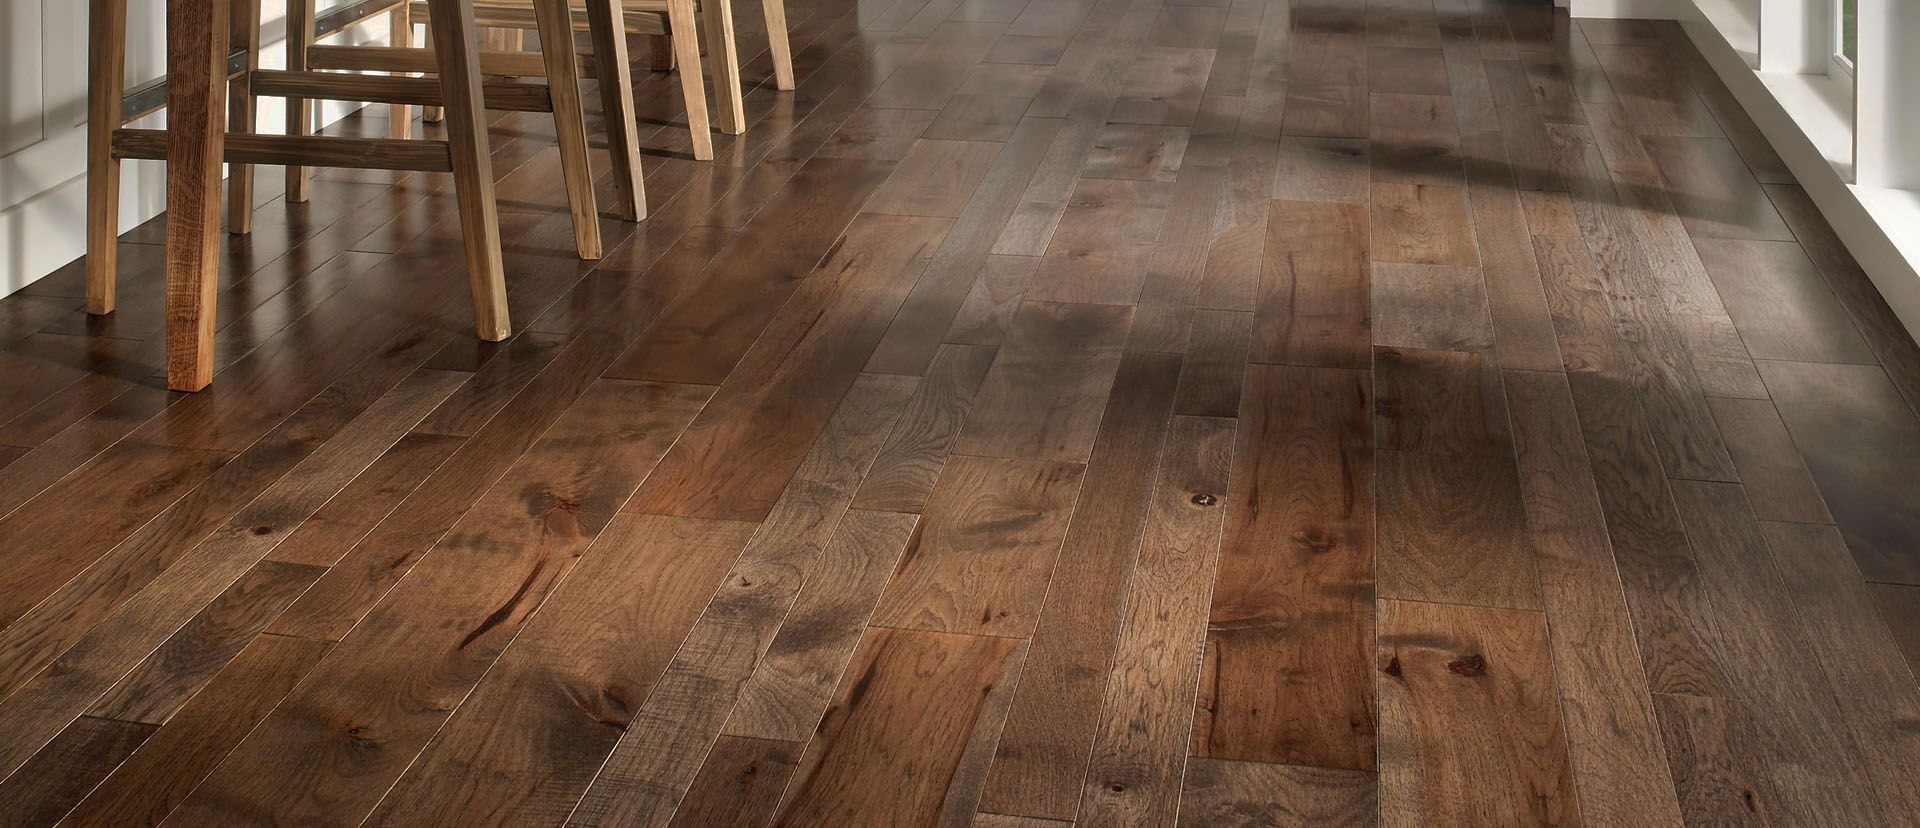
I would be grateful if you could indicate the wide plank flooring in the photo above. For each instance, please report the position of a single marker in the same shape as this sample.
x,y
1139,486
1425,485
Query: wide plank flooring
x,y
1105,412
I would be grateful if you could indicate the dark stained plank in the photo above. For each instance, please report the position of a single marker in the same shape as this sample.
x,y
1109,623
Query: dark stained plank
x,y
1716,760
1416,139
1409,70
554,704
1450,530
1713,191
922,323
1523,334
914,452
702,336
1312,306
658,757
1818,773
1219,793
1662,581
1216,364
156,689
170,763
1322,169
936,178
111,497
1288,675
740,451
1421,224
1876,321
1875,691
740,784
1470,728
1860,441
48,786
1613,738
877,134
332,531
1099,251
1436,307
979,563
1900,608
792,686
910,715
1139,749
1041,761
1780,303
294,764
984,317
1776,479
1042,398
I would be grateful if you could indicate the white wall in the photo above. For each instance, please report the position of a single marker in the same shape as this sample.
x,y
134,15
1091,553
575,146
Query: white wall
x,y
43,135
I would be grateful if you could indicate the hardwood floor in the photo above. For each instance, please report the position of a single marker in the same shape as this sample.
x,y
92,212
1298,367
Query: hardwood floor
x,y
1116,412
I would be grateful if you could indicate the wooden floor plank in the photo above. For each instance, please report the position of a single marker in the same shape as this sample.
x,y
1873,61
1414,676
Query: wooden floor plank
x,y
1512,321
1613,738
1856,435
1470,728
908,714
1140,747
1312,307
1039,766
529,528
650,771
1219,792
1042,398
1288,671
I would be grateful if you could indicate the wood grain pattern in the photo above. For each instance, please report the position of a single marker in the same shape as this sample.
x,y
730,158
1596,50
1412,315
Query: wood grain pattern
x,y
1856,435
553,706
1042,398
1452,681
933,696
1139,749
792,685
1134,351
1247,794
1312,306
1040,764
978,565
1288,670
1613,738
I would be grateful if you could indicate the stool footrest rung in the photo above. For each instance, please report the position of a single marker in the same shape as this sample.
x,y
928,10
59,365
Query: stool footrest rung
x,y
306,151
503,95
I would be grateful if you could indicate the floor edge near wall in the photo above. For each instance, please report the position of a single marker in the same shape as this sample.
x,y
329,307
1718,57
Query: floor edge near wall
x,y
1868,220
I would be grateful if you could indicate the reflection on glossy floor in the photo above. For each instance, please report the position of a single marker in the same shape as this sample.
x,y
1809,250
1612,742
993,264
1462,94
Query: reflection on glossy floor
x,y
1114,411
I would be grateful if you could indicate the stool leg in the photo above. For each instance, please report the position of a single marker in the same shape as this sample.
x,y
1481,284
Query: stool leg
x,y
196,141
607,22
451,22
400,22
718,17
660,52
106,66
555,20
776,13
299,111
430,114
241,113
693,90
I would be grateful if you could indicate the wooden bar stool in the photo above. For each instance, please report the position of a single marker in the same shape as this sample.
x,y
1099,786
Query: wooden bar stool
x,y
673,23
306,78
200,62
